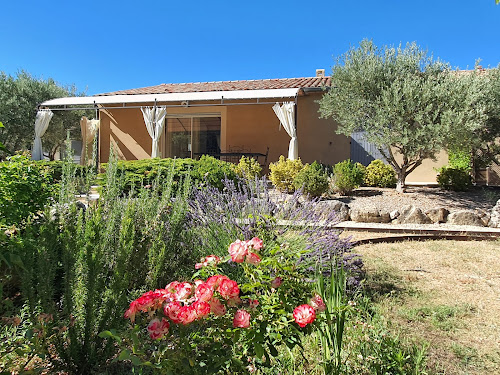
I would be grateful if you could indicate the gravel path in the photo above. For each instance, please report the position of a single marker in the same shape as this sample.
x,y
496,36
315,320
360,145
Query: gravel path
x,y
425,198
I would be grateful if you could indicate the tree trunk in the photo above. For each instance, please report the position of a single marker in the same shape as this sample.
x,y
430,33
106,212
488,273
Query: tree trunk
x,y
400,186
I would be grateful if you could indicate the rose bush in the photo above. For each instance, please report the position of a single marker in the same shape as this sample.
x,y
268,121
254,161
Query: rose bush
x,y
217,324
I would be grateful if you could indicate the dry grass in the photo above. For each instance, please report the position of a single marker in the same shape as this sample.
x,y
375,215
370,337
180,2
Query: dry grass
x,y
446,293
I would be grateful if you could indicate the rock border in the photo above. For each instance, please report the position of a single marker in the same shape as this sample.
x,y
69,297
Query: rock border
x,y
413,215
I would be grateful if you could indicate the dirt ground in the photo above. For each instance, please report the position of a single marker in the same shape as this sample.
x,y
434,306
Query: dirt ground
x,y
446,293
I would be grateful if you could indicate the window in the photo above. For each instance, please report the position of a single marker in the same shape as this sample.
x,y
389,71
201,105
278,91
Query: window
x,y
192,136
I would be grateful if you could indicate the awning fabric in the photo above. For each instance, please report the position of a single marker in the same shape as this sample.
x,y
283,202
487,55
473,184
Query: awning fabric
x,y
154,117
286,115
42,120
172,97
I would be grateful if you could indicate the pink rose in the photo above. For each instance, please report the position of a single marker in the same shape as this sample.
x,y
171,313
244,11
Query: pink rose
x,y
157,329
187,314
253,303
241,319
304,315
252,258
132,310
256,243
172,287
276,282
238,251
184,291
204,292
214,281
217,307
228,289
202,309
317,303
172,311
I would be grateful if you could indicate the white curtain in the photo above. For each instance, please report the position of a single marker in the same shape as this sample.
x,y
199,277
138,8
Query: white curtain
x,y
154,118
42,120
89,130
286,115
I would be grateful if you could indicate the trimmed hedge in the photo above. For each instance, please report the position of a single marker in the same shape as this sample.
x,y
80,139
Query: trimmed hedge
x,y
136,174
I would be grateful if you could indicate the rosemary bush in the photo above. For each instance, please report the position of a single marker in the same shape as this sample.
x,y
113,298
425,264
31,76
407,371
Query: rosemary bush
x,y
82,265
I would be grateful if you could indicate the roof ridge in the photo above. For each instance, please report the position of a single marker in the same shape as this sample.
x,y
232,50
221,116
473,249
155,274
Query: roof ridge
x,y
238,80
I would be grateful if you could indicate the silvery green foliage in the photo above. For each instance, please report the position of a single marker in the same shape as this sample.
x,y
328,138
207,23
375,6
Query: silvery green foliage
x,y
408,104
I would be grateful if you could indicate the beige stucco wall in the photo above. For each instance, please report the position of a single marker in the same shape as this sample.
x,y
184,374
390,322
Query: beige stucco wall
x,y
317,137
250,126
426,173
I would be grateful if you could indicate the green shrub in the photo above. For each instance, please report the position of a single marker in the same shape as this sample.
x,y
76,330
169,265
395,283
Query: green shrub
x,y
135,174
248,168
347,176
460,159
379,174
25,188
283,173
455,179
312,179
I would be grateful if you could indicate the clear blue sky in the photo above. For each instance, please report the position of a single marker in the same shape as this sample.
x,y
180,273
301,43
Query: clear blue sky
x,y
103,46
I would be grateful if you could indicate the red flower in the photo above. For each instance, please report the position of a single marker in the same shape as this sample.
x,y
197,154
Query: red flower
x,y
304,315
238,251
228,289
241,319
172,311
317,303
253,303
202,309
204,292
217,307
184,291
187,314
132,310
252,258
256,243
214,281
157,329
276,282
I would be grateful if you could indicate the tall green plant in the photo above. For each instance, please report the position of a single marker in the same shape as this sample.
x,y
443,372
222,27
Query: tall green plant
x,y
83,265
331,329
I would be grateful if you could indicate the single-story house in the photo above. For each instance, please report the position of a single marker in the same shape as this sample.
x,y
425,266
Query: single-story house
x,y
262,118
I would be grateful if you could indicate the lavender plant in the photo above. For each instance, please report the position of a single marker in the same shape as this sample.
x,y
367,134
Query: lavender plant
x,y
247,210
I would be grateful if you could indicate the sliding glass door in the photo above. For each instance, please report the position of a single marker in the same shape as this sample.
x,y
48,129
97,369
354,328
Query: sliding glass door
x,y
192,136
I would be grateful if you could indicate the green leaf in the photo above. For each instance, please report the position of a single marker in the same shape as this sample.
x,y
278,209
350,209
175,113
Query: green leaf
x,y
273,350
124,355
259,350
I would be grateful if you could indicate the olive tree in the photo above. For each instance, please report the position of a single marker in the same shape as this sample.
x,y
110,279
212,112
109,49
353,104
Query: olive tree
x,y
408,104
19,98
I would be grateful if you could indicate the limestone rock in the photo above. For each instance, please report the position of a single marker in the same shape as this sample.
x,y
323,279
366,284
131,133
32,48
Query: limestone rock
x,y
485,216
495,216
437,215
394,214
412,215
324,208
465,217
370,215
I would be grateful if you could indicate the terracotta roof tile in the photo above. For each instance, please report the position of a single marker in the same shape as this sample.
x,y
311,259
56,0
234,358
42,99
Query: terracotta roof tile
x,y
259,84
